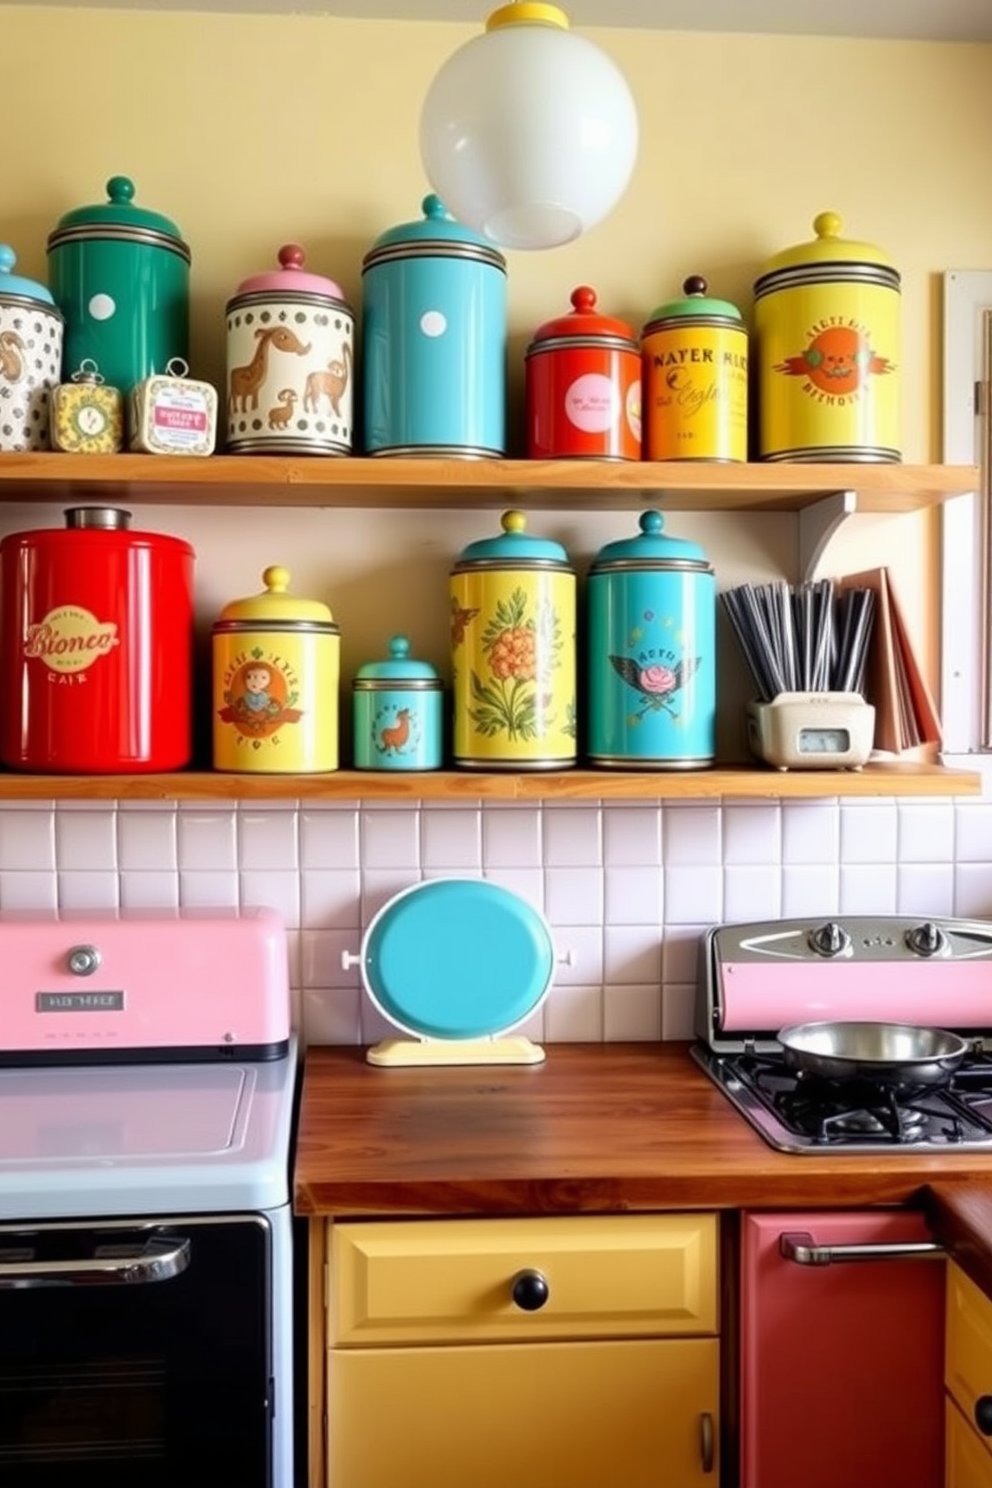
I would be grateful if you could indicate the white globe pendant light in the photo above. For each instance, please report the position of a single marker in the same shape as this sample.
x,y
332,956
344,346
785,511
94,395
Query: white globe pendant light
x,y
529,132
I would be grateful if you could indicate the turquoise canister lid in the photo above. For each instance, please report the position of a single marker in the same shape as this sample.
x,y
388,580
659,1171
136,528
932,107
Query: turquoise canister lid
x,y
650,548
118,213
400,667
695,302
436,232
514,546
14,284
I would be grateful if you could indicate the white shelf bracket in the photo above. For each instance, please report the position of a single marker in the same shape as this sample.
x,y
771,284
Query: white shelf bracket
x,y
817,524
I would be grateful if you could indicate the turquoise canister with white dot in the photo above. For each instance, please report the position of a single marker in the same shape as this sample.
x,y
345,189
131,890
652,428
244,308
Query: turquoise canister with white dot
x,y
120,276
397,712
651,653
434,339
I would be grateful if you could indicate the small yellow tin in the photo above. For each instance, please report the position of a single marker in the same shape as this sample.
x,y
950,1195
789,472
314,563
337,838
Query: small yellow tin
x,y
513,652
276,675
827,336
87,416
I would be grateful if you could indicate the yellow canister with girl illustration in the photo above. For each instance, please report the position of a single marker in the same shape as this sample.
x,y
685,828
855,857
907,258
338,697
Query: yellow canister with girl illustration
x,y
513,652
276,676
827,351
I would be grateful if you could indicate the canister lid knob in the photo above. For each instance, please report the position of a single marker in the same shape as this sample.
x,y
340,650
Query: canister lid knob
x,y
827,247
515,545
291,276
401,666
652,548
696,302
276,603
585,321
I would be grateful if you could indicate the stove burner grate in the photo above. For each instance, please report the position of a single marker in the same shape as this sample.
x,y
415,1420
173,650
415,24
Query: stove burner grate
x,y
864,1113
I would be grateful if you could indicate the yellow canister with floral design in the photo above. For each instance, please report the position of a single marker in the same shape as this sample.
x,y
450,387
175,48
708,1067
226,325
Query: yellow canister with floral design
x,y
276,676
513,653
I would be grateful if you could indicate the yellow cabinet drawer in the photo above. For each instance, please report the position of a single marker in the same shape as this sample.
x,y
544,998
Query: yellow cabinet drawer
x,y
968,1364
435,1281
969,1460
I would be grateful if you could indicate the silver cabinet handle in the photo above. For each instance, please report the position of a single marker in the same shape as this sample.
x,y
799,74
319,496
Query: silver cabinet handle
x,y
706,1441
804,1250
160,1259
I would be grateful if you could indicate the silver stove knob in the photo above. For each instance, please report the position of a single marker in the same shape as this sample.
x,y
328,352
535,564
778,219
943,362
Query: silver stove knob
x,y
83,960
830,940
926,939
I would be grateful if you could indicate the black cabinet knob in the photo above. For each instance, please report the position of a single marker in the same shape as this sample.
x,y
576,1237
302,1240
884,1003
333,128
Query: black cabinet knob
x,y
530,1291
983,1414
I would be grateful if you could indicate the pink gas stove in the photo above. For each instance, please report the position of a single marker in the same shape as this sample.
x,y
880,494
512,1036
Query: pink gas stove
x,y
755,980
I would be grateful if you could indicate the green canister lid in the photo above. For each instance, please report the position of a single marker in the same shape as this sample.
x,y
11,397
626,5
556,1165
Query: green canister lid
x,y
696,304
437,233
650,549
118,217
514,547
400,669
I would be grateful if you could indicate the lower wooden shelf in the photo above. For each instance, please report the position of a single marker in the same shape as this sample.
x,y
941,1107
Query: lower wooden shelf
x,y
741,782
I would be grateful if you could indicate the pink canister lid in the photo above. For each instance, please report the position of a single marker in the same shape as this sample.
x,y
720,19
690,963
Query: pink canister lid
x,y
291,277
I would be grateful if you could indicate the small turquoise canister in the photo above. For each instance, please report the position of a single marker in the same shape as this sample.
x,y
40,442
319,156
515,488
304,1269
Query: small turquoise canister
x,y
434,337
397,712
120,276
651,655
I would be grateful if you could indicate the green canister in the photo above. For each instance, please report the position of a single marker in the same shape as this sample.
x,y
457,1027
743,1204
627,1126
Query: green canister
x,y
120,276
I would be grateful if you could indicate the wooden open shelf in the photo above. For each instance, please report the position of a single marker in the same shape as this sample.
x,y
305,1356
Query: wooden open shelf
x,y
323,481
822,496
740,782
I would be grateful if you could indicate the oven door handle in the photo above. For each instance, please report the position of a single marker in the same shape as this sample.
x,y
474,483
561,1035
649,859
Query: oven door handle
x,y
160,1258
803,1249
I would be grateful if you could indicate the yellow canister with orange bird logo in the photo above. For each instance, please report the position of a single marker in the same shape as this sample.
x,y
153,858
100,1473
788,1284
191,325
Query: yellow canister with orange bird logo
x,y
513,653
826,342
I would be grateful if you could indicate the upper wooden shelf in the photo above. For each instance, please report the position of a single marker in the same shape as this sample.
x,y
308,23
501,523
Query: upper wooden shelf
x,y
877,779
324,481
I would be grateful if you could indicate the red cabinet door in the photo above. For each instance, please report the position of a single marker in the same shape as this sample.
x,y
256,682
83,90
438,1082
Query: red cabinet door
x,y
841,1365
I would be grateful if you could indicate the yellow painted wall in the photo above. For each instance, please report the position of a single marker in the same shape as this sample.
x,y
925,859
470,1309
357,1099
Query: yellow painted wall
x,y
252,131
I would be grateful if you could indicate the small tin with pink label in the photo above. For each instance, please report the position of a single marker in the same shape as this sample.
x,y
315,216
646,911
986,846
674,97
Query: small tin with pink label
x,y
583,386
173,414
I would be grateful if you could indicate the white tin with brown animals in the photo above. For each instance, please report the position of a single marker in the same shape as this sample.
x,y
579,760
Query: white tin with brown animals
x,y
30,357
397,712
290,370
173,414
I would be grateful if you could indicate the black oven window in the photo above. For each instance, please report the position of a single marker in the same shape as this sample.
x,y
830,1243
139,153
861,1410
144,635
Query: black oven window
x,y
160,1379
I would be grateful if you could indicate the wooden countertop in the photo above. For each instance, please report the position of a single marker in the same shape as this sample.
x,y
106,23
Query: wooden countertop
x,y
597,1128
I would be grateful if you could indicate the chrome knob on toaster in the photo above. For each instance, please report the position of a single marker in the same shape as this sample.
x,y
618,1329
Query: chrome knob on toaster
x,y
830,939
926,939
83,960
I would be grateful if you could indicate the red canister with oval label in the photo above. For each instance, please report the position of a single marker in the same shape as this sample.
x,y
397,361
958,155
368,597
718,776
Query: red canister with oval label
x,y
583,386
96,647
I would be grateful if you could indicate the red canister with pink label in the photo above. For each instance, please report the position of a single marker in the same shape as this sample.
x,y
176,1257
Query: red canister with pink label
x,y
583,386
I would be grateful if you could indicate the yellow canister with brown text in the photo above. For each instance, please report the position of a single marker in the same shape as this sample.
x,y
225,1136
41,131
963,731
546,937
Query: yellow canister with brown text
x,y
827,320
276,676
513,612
694,372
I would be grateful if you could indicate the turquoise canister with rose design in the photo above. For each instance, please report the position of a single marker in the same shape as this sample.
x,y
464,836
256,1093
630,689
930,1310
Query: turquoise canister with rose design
x,y
513,653
651,612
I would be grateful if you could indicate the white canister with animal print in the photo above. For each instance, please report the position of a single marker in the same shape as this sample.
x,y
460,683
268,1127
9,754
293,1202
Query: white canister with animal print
x,y
290,371
30,358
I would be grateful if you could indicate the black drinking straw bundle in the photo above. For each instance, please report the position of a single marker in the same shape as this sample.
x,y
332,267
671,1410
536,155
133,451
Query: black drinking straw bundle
x,y
808,638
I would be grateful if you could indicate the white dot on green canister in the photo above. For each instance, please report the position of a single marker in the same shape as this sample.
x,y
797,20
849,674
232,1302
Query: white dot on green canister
x,y
102,306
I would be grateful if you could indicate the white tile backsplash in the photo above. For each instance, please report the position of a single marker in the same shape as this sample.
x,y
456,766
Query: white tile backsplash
x,y
627,888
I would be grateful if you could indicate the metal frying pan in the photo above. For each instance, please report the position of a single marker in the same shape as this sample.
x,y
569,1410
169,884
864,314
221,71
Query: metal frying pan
x,y
886,1053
